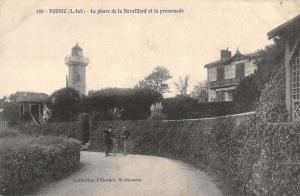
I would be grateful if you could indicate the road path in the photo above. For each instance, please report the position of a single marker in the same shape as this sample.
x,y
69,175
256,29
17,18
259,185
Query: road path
x,y
146,176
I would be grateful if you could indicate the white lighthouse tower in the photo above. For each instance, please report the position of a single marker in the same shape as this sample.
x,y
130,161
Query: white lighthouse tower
x,y
77,64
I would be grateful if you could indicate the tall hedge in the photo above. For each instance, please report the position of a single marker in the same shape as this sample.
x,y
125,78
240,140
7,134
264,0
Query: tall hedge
x,y
26,162
64,104
237,149
67,129
134,103
182,107
83,121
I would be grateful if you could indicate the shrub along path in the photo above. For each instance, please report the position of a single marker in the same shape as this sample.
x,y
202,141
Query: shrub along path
x,y
155,176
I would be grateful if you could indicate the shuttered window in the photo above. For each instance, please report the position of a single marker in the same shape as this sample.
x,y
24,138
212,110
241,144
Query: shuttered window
x,y
220,73
240,70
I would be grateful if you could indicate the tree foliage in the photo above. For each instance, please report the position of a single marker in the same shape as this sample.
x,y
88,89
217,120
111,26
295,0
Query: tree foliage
x,y
130,104
200,92
269,62
185,107
182,85
157,80
3,100
65,104
10,112
247,93
12,97
157,112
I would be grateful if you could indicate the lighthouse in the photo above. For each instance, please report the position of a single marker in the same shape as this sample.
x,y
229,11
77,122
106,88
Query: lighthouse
x,y
77,74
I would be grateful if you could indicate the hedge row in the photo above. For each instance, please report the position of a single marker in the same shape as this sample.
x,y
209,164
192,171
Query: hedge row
x,y
66,129
8,133
251,158
26,161
187,108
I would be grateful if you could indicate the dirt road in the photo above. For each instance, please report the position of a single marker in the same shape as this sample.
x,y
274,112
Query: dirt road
x,y
132,175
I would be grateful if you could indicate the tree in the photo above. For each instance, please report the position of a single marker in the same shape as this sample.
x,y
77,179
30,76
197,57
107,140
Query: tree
x,y
91,92
123,103
156,80
9,109
3,101
65,104
247,93
200,92
182,85
270,61
12,97
10,112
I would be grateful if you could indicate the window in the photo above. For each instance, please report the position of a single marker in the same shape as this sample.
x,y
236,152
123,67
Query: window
x,y
240,70
220,73
220,95
78,78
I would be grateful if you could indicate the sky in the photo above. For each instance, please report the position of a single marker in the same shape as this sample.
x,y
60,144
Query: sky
x,y
124,48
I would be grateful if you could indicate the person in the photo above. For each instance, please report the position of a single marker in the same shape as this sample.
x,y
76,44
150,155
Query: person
x,y
115,148
125,136
108,140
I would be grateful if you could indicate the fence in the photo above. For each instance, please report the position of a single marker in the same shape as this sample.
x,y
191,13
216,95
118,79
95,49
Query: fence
x,y
3,124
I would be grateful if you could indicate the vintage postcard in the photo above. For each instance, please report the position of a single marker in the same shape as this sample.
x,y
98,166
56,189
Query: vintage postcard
x,y
150,97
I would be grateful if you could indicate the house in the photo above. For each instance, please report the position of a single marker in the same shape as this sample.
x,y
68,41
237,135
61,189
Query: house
x,y
224,75
290,33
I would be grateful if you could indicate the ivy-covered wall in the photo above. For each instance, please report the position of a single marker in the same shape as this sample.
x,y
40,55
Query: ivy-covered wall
x,y
252,158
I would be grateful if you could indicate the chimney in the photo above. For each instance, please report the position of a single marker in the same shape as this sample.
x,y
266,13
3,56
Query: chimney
x,y
225,54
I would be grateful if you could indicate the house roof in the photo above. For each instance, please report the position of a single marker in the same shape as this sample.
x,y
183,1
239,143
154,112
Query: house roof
x,y
235,57
24,96
286,28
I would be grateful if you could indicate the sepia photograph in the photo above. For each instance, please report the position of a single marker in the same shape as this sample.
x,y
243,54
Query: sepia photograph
x,y
150,97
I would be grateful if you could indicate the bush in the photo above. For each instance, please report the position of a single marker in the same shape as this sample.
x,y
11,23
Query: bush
x,y
247,93
95,118
134,103
114,114
10,113
156,112
83,121
188,108
8,133
28,161
67,129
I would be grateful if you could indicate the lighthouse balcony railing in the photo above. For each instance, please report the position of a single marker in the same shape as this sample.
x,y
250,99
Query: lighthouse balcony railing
x,y
76,59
